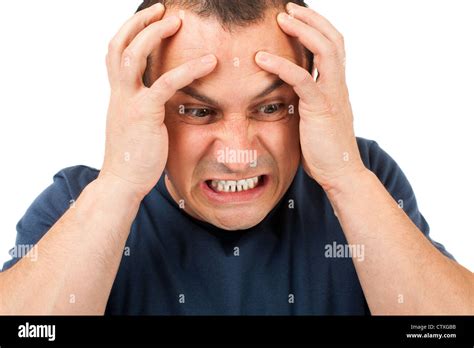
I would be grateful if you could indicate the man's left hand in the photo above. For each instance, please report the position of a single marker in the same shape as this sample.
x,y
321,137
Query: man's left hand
x,y
328,144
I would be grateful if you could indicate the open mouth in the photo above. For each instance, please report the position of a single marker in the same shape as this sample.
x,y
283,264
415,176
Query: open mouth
x,y
243,190
236,185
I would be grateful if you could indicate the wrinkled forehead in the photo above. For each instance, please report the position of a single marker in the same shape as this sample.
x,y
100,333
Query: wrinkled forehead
x,y
235,49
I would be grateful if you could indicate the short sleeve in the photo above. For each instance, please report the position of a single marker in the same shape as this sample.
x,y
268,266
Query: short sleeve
x,y
48,208
396,183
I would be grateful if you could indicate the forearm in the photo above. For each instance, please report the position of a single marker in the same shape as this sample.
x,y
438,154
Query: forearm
x,y
78,258
401,272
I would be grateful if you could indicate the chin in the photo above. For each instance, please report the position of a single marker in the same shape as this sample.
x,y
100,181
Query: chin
x,y
238,219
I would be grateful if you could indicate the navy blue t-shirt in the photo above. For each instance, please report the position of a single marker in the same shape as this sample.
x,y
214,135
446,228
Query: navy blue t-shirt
x,y
175,264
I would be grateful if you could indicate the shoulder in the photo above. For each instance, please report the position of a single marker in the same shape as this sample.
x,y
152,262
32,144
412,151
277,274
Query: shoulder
x,y
51,204
372,154
383,165
67,185
74,179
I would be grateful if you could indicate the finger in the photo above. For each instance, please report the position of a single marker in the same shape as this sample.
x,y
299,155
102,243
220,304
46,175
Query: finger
x,y
170,82
134,58
326,57
126,34
315,20
297,77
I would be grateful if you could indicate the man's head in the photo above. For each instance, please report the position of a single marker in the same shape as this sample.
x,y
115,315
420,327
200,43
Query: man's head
x,y
236,128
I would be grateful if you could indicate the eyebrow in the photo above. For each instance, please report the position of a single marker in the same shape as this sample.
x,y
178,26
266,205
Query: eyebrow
x,y
192,92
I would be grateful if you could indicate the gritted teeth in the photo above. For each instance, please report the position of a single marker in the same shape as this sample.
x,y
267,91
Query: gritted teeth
x,y
234,185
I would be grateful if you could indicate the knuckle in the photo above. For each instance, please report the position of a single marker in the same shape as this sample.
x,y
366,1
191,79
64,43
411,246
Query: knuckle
x,y
128,57
113,45
143,17
305,79
166,81
340,39
155,95
128,53
109,60
332,107
313,13
123,79
331,51
288,70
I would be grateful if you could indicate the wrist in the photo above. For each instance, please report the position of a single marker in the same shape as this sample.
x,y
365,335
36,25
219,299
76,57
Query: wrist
x,y
348,183
113,186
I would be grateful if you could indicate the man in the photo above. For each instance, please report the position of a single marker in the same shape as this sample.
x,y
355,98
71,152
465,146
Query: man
x,y
232,183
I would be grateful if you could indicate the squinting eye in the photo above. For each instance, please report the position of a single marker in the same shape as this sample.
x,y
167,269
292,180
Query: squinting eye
x,y
270,108
198,112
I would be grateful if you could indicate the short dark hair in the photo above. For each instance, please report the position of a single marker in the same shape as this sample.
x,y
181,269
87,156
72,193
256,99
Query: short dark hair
x,y
230,13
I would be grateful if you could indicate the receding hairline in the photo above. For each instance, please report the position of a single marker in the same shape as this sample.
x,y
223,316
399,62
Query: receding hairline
x,y
230,13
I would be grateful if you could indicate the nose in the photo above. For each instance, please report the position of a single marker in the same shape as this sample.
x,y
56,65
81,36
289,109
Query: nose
x,y
236,146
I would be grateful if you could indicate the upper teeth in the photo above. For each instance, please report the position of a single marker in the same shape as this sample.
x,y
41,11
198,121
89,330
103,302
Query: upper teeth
x,y
234,185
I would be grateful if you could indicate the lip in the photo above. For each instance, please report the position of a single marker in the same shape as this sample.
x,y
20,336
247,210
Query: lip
x,y
235,197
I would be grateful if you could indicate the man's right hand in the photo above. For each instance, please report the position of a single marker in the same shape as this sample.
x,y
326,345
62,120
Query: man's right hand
x,y
96,229
136,138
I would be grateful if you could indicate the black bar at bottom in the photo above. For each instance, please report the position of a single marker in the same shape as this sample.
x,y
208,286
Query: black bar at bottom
x,y
419,330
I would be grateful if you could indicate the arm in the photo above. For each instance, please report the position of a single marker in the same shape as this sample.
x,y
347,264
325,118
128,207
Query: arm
x,y
78,256
399,260
402,272
81,253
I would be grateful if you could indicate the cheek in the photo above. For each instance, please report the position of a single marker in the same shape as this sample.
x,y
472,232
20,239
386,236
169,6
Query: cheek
x,y
187,146
281,139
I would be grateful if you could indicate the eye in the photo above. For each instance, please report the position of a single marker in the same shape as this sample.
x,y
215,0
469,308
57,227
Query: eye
x,y
271,112
270,108
198,112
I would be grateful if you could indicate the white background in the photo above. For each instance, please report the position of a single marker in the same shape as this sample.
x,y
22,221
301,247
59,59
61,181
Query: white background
x,y
410,68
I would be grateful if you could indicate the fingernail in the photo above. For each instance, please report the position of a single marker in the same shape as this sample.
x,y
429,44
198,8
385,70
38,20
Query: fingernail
x,y
209,59
262,57
173,19
283,16
159,6
290,6
291,12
